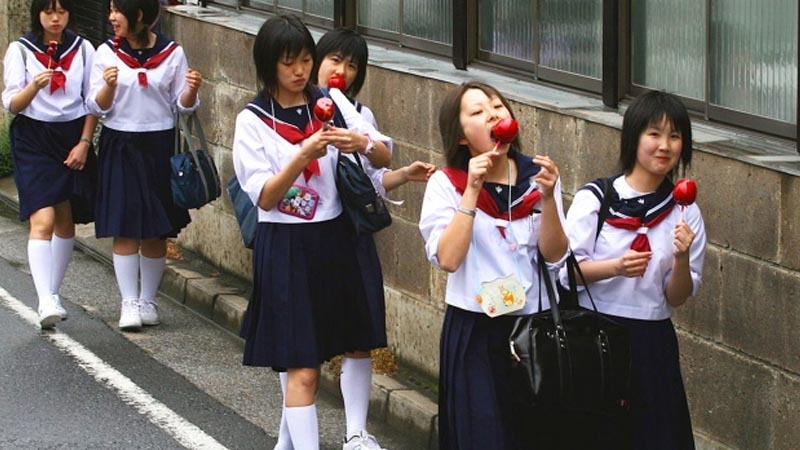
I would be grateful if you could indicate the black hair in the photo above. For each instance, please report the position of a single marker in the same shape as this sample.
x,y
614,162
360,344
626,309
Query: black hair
x,y
650,109
37,6
279,37
457,155
130,9
348,43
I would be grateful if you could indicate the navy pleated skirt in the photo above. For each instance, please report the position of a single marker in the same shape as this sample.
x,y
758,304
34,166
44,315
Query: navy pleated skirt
x,y
310,301
133,195
476,408
38,151
659,411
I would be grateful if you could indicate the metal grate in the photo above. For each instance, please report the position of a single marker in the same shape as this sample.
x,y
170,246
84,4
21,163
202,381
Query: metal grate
x,y
89,18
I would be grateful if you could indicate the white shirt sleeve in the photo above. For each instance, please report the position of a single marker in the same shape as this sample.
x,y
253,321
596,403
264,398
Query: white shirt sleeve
x,y
100,60
88,52
250,162
438,208
14,73
179,83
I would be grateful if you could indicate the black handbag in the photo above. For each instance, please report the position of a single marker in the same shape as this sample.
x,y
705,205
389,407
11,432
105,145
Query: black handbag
x,y
194,180
245,211
364,206
570,359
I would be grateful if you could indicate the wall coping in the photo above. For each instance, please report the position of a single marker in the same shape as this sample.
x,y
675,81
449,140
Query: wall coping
x,y
749,147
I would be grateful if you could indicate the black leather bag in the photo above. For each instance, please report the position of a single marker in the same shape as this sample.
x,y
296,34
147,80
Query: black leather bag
x,y
364,206
570,359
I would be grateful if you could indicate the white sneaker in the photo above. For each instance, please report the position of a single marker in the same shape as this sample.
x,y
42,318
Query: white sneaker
x,y
60,307
362,441
129,318
148,311
49,315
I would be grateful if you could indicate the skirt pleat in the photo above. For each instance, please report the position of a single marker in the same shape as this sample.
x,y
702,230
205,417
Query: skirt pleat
x,y
38,151
134,199
309,301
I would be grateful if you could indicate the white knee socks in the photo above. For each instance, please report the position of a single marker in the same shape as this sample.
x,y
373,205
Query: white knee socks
x,y
40,260
284,438
126,267
61,249
303,427
152,269
356,384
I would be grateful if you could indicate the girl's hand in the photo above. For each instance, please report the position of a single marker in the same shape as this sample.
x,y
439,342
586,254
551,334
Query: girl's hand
x,y
633,264
419,171
347,141
76,159
682,242
547,177
479,166
42,79
110,75
194,80
315,146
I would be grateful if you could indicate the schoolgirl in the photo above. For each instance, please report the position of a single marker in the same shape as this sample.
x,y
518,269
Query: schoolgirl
x,y
46,75
485,217
647,259
138,82
343,52
309,301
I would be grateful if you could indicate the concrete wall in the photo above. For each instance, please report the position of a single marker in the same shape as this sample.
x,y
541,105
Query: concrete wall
x,y
739,338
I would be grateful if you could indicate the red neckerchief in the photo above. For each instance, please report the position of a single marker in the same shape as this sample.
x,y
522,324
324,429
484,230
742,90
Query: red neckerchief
x,y
458,178
151,62
640,242
291,133
58,80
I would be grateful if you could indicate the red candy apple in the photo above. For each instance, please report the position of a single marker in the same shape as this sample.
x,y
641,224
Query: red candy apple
x,y
324,109
685,192
505,130
337,81
51,48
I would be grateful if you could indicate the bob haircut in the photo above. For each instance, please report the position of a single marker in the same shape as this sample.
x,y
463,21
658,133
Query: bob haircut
x,y
280,37
347,43
650,109
458,155
130,9
37,6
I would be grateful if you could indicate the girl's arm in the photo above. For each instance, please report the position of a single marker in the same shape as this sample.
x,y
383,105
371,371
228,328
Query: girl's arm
x,y
275,188
76,158
18,93
689,253
416,171
552,239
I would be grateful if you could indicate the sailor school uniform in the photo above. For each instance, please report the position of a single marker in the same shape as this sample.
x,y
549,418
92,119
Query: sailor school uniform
x,y
641,220
309,301
137,139
476,408
43,134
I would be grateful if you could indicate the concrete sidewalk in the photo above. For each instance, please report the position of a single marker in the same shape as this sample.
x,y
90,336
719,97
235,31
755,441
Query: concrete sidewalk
x,y
223,299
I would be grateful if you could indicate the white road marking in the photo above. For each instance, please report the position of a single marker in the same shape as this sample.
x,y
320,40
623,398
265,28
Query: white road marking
x,y
183,431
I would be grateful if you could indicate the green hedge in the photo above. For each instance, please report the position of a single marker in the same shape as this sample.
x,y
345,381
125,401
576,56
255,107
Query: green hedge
x,y
6,168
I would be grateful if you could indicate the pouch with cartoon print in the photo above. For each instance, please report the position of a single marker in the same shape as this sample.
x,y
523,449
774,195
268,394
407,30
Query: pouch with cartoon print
x,y
299,201
501,296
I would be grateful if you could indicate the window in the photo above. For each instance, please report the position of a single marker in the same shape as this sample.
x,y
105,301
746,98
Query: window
x,y
732,60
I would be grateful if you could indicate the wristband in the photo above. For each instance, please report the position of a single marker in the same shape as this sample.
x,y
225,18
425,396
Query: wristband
x,y
467,211
87,140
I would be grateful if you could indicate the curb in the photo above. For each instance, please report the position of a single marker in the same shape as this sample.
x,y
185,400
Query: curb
x,y
222,299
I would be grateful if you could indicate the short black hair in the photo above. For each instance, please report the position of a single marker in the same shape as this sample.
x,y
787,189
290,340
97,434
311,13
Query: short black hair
x,y
279,37
650,109
457,155
348,43
37,6
130,9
